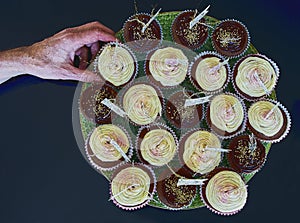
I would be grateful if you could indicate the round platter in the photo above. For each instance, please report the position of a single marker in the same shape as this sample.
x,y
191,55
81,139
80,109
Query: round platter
x,y
165,19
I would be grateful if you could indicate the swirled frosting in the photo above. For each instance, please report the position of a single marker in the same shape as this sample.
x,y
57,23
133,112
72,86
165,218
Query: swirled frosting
x,y
265,118
158,147
226,192
130,187
226,113
169,66
250,71
116,64
209,76
100,145
142,104
196,157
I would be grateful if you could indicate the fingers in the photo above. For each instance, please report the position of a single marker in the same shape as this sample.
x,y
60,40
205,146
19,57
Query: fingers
x,y
95,47
83,54
81,75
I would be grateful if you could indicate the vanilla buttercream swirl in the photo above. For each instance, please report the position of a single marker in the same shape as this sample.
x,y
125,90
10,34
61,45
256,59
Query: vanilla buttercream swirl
x,y
130,187
169,66
226,113
116,64
101,146
209,75
142,104
196,157
158,147
266,118
256,76
226,192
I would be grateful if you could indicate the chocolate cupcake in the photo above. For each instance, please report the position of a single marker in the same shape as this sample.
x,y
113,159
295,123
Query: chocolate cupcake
x,y
142,103
197,151
132,186
141,35
269,120
255,76
172,196
224,192
209,72
166,67
104,144
192,38
179,115
230,38
91,106
116,64
226,115
247,155
156,145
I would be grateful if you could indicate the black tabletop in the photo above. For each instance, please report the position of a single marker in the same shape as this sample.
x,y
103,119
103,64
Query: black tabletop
x,y
44,177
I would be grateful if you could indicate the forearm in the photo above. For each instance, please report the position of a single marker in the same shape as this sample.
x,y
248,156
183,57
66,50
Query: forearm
x,y
13,63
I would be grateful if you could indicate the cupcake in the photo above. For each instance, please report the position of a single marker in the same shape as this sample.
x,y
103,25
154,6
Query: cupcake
x,y
142,39
197,151
104,144
116,64
230,38
156,145
132,186
142,104
224,192
91,106
172,196
192,38
209,72
269,120
166,67
179,115
226,116
247,155
255,76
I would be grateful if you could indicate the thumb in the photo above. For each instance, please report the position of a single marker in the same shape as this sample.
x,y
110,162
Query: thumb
x,y
83,75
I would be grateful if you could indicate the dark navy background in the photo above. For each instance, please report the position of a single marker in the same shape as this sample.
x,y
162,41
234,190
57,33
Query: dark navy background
x,y
43,176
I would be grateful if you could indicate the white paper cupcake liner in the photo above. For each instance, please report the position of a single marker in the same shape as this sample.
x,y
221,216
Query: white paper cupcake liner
x,y
248,97
95,63
153,182
154,126
120,162
248,42
288,123
212,53
240,130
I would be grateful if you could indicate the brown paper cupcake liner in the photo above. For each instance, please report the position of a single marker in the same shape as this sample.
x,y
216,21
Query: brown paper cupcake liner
x,y
217,131
139,139
204,54
107,166
244,95
152,188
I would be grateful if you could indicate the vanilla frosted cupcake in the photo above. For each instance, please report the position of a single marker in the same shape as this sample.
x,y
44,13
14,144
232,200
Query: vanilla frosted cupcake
x,y
167,67
226,115
156,145
132,186
104,145
225,192
116,64
209,72
269,120
142,104
255,76
197,152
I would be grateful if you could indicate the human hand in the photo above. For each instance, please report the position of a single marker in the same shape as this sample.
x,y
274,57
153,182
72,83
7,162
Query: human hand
x,y
53,58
